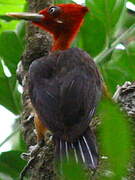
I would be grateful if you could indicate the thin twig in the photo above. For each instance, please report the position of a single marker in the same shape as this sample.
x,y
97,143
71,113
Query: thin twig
x,y
100,59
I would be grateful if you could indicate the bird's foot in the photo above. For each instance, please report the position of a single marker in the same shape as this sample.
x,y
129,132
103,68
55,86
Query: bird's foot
x,y
28,165
30,157
32,152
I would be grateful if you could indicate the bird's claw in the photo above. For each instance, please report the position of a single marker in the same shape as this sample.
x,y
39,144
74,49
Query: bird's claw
x,y
34,149
28,165
26,156
30,157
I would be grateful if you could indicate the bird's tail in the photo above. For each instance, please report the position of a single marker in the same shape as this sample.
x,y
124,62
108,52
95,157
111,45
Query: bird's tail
x,y
83,149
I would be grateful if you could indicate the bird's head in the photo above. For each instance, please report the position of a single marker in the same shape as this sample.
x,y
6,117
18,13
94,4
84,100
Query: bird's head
x,y
63,21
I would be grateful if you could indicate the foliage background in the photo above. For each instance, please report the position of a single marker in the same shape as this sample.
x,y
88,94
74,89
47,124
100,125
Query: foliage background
x,y
107,25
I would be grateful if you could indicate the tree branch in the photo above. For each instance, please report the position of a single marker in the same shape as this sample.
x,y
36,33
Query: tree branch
x,y
38,45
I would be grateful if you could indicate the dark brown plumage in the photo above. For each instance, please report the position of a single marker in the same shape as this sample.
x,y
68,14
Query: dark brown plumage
x,y
65,88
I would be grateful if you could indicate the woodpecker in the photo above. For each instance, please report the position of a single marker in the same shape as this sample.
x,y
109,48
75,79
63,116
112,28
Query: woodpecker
x,y
65,86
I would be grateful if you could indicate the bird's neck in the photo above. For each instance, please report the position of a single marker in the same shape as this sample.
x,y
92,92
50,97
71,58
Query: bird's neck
x,y
65,38
62,43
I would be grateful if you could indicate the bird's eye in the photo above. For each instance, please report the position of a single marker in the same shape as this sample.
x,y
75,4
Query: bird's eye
x,y
53,10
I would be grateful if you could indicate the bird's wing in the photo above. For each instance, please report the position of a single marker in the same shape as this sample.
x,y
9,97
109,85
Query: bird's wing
x,y
43,89
64,92
77,97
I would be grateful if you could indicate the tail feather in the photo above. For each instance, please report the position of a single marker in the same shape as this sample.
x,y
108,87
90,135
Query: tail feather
x,y
91,160
84,149
75,152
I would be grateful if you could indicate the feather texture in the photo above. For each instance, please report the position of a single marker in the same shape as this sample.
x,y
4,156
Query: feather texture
x,y
83,149
65,88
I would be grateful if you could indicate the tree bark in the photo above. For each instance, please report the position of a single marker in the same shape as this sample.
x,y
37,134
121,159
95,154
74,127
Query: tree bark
x,y
38,45
125,97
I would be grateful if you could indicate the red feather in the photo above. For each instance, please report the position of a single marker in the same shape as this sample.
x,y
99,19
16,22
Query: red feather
x,y
64,24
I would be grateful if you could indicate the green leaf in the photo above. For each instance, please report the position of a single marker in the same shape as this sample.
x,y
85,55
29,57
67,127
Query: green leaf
x,y
121,68
92,31
133,1
113,77
72,171
11,163
4,25
20,30
2,74
131,48
9,95
62,1
10,6
115,138
108,12
10,49
17,140
129,20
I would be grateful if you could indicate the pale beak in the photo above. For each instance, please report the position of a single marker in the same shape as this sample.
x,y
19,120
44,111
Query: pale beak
x,y
35,17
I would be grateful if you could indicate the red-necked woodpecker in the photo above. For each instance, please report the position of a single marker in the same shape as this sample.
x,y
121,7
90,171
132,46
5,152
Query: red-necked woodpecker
x,y
65,86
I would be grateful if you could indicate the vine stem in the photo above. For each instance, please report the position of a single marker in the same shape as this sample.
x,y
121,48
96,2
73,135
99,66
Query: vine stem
x,y
100,59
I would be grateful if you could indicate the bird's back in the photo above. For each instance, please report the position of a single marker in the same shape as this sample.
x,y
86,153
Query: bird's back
x,y
64,88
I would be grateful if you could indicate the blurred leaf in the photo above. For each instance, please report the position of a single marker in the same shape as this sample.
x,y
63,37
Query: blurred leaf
x,y
2,74
20,30
9,95
10,49
4,25
10,2
18,140
92,31
71,171
131,48
62,1
108,12
115,137
10,6
22,145
121,68
11,163
133,1
129,19
113,77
